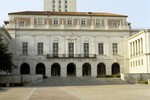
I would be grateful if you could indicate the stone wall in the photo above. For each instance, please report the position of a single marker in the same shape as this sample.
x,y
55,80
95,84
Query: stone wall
x,y
135,78
20,79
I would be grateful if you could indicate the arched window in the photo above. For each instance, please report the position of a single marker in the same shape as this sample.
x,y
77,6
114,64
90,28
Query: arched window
x,y
115,68
101,69
40,69
71,70
25,69
55,69
86,69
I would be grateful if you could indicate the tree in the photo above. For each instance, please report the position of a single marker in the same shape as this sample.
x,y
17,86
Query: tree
x,y
6,63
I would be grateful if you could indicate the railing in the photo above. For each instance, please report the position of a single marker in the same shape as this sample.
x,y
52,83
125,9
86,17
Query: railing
x,y
60,26
48,56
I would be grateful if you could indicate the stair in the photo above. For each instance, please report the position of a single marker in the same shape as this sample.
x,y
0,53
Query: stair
x,y
77,81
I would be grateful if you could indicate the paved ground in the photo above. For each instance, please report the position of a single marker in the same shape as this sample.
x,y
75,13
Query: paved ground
x,y
101,92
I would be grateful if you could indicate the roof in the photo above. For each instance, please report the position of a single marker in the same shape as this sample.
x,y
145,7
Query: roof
x,y
67,13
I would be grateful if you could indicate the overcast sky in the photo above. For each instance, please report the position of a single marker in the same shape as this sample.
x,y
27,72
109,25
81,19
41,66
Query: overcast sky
x,y
138,11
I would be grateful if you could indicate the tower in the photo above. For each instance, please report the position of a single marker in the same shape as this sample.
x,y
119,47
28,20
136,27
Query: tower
x,y
60,5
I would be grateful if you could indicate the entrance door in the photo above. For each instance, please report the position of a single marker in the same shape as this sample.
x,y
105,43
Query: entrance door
x,y
55,70
115,69
71,70
86,69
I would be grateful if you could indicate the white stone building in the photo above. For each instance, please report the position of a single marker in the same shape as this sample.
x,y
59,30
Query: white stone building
x,y
69,43
139,52
60,5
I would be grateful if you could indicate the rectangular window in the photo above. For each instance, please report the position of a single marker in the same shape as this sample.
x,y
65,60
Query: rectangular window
x,y
115,49
55,21
21,23
24,48
65,1
83,22
59,1
39,21
86,49
98,22
69,22
71,49
100,49
55,49
114,24
40,48
53,1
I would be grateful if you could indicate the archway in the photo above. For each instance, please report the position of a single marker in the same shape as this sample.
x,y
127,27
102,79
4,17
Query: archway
x,y
101,69
115,68
71,69
40,69
25,69
86,69
55,69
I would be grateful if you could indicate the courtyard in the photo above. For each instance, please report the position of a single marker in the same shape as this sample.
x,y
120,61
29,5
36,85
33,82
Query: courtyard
x,y
95,92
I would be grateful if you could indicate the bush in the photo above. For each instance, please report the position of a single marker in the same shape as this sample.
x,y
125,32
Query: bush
x,y
109,76
143,82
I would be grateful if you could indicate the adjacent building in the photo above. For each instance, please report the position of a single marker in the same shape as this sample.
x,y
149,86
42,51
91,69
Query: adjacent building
x,y
60,5
139,52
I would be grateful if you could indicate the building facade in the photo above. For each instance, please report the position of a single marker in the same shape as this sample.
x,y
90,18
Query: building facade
x,y
60,5
69,43
139,52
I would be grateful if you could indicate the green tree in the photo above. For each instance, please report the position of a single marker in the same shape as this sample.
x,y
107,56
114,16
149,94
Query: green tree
x,y
6,63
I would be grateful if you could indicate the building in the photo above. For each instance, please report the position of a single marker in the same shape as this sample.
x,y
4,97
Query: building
x,y
60,5
139,52
69,43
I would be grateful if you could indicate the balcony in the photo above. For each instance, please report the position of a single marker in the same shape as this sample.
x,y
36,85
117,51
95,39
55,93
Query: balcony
x,y
50,56
68,27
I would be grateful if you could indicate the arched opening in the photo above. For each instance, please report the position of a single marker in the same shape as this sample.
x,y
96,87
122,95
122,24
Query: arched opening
x,y
40,69
101,69
71,70
25,69
55,70
115,69
86,69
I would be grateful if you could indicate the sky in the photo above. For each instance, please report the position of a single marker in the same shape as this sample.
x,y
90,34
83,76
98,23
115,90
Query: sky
x,y
138,11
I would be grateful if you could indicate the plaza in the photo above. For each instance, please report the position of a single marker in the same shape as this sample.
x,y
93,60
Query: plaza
x,y
95,92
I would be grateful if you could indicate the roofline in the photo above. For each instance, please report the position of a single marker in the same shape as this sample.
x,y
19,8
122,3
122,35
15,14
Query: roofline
x,y
139,33
67,13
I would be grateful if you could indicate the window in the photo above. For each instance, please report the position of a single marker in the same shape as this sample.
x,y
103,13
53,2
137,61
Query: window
x,y
40,48
98,22
115,49
71,49
86,49
65,1
21,23
59,1
55,49
66,10
39,21
69,21
24,48
83,22
53,1
100,48
114,24
59,6
55,21
65,6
